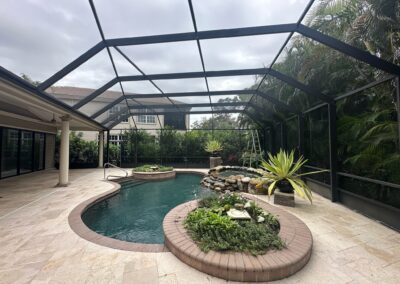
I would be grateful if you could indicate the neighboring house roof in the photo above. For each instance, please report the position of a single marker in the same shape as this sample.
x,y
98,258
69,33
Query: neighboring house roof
x,y
76,93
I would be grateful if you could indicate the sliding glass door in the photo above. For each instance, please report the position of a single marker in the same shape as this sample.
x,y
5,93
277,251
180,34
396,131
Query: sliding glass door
x,y
26,152
39,151
9,152
21,151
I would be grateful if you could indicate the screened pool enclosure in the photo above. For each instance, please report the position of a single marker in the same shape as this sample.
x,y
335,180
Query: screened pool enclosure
x,y
325,93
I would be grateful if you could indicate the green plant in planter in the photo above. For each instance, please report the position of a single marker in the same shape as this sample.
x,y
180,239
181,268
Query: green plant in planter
x,y
281,170
212,229
213,147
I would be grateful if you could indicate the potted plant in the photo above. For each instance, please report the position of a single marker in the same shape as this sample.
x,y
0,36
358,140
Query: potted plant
x,y
214,147
281,171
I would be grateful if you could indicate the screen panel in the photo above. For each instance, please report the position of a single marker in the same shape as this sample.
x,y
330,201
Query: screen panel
x,y
138,18
241,52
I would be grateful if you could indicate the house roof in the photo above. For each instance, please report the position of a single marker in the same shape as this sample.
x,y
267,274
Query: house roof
x,y
76,93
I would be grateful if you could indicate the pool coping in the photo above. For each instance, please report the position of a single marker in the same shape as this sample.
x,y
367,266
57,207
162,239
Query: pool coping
x,y
79,227
235,266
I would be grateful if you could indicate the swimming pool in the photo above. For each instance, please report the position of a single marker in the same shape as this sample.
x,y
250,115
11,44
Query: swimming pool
x,y
136,213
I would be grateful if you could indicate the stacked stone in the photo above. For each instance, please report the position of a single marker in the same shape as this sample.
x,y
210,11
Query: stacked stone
x,y
231,183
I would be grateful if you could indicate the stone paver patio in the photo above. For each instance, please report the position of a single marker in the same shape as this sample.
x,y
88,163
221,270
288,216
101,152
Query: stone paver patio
x,y
38,246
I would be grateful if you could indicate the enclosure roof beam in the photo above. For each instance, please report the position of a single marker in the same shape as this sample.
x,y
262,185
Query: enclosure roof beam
x,y
143,106
289,37
202,35
349,50
124,111
268,96
158,95
122,116
107,107
168,76
191,112
200,74
298,85
95,94
256,114
226,33
257,109
253,118
192,94
72,66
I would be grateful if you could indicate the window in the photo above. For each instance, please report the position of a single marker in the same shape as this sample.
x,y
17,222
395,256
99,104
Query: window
x,y
116,139
114,110
147,119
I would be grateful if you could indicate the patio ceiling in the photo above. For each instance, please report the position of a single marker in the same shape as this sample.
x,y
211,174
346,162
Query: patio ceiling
x,y
134,103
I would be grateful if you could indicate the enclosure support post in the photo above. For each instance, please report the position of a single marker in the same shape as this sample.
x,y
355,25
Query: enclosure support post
x,y
101,149
265,144
121,144
108,147
283,135
272,135
64,152
397,82
300,119
136,147
333,151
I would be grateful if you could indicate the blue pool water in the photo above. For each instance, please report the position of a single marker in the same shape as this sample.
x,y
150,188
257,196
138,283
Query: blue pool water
x,y
136,213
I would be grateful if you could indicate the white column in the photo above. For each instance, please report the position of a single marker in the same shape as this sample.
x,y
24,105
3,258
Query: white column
x,y
64,152
101,149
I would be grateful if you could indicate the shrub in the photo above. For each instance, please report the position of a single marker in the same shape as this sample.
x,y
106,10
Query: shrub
x,y
149,168
212,229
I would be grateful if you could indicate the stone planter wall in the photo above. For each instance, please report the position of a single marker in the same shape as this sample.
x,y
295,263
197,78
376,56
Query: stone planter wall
x,y
215,162
234,266
153,175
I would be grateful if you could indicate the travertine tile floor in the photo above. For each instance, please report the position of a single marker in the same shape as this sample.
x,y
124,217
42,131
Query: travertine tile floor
x,y
38,246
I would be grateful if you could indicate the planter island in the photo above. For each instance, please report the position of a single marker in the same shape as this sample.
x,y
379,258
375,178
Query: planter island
x,y
273,264
153,172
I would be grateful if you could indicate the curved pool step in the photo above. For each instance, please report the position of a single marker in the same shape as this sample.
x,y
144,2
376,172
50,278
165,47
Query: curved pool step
x,y
131,182
127,181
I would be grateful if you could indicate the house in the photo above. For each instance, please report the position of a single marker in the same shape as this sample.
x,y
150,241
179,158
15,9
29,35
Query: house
x,y
149,122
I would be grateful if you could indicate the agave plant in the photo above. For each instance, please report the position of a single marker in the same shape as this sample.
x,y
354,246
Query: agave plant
x,y
213,147
282,168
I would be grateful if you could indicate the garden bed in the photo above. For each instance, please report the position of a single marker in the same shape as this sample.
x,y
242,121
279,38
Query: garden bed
x,y
153,172
241,266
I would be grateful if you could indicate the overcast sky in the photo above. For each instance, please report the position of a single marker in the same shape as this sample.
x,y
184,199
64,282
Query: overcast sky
x,y
39,37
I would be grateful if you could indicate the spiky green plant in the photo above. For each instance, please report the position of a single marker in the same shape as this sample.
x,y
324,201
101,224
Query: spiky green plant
x,y
282,166
213,147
